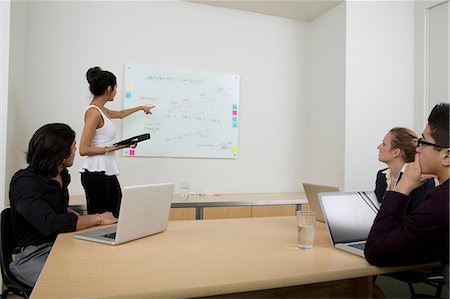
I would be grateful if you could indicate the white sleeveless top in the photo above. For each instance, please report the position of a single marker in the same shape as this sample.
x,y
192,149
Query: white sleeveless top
x,y
104,136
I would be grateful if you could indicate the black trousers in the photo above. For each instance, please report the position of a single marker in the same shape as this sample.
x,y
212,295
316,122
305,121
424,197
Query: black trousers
x,y
103,192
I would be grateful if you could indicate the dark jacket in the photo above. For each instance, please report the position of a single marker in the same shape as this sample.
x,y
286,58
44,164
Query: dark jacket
x,y
417,196
39,207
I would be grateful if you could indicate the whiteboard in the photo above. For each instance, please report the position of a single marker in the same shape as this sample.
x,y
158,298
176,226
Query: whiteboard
x,y
196,113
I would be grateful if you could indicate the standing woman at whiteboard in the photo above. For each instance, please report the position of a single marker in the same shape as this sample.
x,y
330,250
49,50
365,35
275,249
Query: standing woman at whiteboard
x,y
99,171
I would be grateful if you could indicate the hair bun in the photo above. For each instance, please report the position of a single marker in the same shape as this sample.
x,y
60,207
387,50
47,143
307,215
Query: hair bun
x,y
93,74
99,80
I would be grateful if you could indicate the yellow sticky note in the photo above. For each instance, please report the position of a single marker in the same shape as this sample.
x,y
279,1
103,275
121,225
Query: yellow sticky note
x,y
234,149
129,87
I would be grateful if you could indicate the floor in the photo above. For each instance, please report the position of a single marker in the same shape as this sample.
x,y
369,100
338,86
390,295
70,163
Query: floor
x,y
392,288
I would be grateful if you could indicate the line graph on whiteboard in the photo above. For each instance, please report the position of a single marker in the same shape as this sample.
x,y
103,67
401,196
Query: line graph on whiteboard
x,y
196,114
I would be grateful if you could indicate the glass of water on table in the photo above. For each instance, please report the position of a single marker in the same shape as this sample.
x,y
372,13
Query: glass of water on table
x,y
306,222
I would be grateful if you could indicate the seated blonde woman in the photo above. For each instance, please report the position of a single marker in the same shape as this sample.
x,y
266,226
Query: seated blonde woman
x,y
397,149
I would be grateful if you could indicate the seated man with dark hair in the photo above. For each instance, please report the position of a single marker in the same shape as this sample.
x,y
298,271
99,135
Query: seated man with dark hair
x,y
39,201
424,236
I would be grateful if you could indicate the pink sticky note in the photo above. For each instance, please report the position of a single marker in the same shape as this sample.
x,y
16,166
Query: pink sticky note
x,y
234,112
131,152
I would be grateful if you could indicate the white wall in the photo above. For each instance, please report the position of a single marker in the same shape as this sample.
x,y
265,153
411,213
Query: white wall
x,y
421,68
438,60
379,82
316,98
15,150
5,9
326,99
63,39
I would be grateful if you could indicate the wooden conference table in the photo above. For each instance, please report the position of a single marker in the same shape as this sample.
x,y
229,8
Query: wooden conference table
x,y
200,202
255,257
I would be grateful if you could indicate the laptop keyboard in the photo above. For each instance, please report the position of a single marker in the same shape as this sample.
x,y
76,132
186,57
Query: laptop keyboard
x,y
110,236
358,245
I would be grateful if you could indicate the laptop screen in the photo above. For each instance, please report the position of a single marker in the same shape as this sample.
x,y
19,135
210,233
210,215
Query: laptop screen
x,y
349,215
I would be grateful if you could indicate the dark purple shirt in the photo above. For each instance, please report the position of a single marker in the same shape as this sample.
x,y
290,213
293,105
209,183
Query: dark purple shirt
x,y
422,238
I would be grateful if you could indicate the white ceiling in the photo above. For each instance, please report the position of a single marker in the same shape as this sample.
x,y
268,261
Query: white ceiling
x,y
294,9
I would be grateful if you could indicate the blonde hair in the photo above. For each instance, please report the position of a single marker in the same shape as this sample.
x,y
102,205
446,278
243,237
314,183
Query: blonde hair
x,y
405,140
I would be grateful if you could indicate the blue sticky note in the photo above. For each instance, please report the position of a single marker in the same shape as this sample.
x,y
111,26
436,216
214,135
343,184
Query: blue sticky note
x,y
234,119
234,107
128,95
234,125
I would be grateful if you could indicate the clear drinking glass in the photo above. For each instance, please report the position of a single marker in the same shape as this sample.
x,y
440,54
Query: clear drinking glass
x,y
184,190
306,221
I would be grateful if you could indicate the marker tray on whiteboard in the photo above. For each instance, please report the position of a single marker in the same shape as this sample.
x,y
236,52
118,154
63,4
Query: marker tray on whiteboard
x,y
133,140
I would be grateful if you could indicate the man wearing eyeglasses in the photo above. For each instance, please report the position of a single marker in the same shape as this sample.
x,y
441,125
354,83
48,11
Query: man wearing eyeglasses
x,y
424,237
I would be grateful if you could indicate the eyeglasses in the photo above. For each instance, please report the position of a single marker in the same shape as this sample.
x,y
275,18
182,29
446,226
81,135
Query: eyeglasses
x,y
421,142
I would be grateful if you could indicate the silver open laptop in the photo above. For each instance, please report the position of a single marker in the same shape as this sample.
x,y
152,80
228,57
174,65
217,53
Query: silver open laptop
x,y
144,211
349,217
311,191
